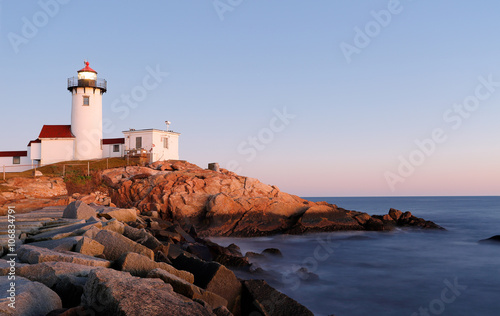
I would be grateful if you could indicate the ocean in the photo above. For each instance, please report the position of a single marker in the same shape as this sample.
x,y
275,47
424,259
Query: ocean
x,y
403,272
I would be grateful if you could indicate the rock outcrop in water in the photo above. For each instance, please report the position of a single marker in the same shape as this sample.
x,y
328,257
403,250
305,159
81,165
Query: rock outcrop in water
x,y
225,204
493,239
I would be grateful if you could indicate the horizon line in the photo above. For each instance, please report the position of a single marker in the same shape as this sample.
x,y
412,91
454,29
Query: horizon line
x,y
397,196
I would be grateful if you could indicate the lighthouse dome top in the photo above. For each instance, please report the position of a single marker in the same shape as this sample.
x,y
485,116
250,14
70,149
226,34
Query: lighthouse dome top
x,y
87,72
87,68
87,77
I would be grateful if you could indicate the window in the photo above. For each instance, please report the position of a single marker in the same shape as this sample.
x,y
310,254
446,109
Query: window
x,y
86,100
165,142
16,160
138,142
116,148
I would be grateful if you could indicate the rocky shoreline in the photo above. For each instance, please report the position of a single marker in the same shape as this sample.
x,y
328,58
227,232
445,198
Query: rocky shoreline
x,y
140,247
95,260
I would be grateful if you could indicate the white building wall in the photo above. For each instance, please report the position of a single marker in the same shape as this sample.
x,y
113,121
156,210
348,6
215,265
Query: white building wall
x,y
56,150
173,146
162,153
157,152
107,151
131,136
36,151
25,164
154,137
86,123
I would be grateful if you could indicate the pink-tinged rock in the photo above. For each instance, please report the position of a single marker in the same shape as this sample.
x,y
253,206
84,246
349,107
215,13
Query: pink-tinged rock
x,y
79,210
225,204
91,233
362,218
89,247
120,214
405,216
213,277
39,187
32,255
111,292
114,226
187,289
116,245
395,214
139,265
328,218
388,218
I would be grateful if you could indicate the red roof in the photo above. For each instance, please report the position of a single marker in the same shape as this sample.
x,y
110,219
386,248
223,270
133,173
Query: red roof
x,y
56,131
34,142
87,68
13,153
111,141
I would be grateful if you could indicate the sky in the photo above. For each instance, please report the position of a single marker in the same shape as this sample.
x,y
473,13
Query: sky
x,y
320,98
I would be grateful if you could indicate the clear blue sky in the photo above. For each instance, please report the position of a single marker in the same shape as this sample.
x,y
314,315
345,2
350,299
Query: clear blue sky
x,y
230,71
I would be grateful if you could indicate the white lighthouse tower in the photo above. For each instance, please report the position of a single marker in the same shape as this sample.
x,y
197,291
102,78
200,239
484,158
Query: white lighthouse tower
x,y
86,113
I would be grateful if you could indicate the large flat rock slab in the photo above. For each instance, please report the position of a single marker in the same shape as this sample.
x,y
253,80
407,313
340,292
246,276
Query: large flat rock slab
x,y
139,265
67,243
46,212
115,245
32,254
187,289
22,226
110,292
33,222
142,237
62,232
51,273
213,277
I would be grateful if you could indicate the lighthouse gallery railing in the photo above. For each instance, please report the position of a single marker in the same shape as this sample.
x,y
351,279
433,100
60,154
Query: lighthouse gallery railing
x,y
98,83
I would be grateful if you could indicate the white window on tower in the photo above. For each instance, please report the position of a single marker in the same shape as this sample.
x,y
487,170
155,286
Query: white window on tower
x,y
165,142
116,148
86,100
138,142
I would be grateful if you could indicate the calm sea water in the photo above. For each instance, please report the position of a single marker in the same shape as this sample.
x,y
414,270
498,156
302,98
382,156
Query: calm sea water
x,y
404,272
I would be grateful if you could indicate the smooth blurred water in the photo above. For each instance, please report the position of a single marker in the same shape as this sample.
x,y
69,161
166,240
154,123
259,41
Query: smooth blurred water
x,y
393,273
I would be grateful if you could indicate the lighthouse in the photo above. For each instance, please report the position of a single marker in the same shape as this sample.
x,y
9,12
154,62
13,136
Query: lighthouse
x,y
82,140
86,113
